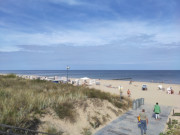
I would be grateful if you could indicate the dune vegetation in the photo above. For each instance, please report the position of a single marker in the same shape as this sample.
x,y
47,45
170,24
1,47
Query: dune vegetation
x,y
23,101
173,128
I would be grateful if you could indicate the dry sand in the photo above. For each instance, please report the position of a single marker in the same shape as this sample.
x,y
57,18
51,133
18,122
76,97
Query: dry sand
x,y
151,96
88,111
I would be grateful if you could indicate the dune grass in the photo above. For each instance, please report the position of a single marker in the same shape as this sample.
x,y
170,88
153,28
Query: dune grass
x,y
173,128
23,100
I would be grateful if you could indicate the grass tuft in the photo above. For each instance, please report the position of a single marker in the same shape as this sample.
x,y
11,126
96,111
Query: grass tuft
x,y
86,131
65,111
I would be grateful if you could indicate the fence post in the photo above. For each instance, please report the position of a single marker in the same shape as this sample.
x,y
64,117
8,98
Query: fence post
x,y
139,100
137,103
142,101
134,105
170,122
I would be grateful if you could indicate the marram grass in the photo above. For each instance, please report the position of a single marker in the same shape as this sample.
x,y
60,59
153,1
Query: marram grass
x,y
23,100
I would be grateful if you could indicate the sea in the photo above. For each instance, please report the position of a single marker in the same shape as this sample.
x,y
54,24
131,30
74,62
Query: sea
x,y
157,76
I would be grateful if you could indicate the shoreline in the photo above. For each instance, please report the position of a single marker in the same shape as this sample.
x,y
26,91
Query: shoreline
x,y
123,79
157,76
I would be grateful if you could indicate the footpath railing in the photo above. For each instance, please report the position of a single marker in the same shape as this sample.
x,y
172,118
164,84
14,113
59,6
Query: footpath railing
x,y
137,103
12,130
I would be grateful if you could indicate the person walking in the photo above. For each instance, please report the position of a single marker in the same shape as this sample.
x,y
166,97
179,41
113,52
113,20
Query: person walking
x,y
129,93
157,111
144,122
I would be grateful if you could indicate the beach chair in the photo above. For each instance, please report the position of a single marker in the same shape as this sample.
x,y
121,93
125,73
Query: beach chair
x,y
144,87
77,82
97,83
169,90
91,82
160,87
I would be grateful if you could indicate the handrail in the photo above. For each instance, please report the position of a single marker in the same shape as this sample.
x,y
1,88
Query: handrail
x,y
18,128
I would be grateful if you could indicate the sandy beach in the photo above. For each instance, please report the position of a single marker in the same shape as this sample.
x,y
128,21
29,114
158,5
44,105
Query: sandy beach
x,y
151,96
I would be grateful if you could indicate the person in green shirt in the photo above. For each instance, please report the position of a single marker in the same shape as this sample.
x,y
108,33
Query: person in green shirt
x,y
157,111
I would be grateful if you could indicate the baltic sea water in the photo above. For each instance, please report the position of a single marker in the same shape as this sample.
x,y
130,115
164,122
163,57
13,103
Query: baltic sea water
x,y
166,76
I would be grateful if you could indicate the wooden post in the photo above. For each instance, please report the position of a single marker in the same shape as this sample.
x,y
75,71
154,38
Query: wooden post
x,y
170,122
120,95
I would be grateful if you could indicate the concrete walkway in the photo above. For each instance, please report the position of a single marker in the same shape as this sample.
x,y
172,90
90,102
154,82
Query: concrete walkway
x,y
127,123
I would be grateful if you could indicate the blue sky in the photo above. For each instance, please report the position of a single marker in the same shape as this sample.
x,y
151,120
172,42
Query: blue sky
x,y
90,34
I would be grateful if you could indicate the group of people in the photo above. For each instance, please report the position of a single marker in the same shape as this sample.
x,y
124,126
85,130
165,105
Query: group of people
x,y
143,119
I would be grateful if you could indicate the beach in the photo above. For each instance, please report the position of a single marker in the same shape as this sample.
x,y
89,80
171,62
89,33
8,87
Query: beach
x,y
151,96
97,105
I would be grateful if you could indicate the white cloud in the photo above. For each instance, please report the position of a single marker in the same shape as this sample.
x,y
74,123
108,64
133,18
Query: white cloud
x,y
9,49
139,34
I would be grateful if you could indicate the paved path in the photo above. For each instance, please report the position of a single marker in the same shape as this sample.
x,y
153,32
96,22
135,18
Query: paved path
x,y
127,123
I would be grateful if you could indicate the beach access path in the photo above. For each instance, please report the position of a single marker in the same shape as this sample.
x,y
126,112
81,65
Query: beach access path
x,y
127,123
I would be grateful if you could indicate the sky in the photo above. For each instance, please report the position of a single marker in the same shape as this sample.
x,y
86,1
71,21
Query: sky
x,y
90,34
